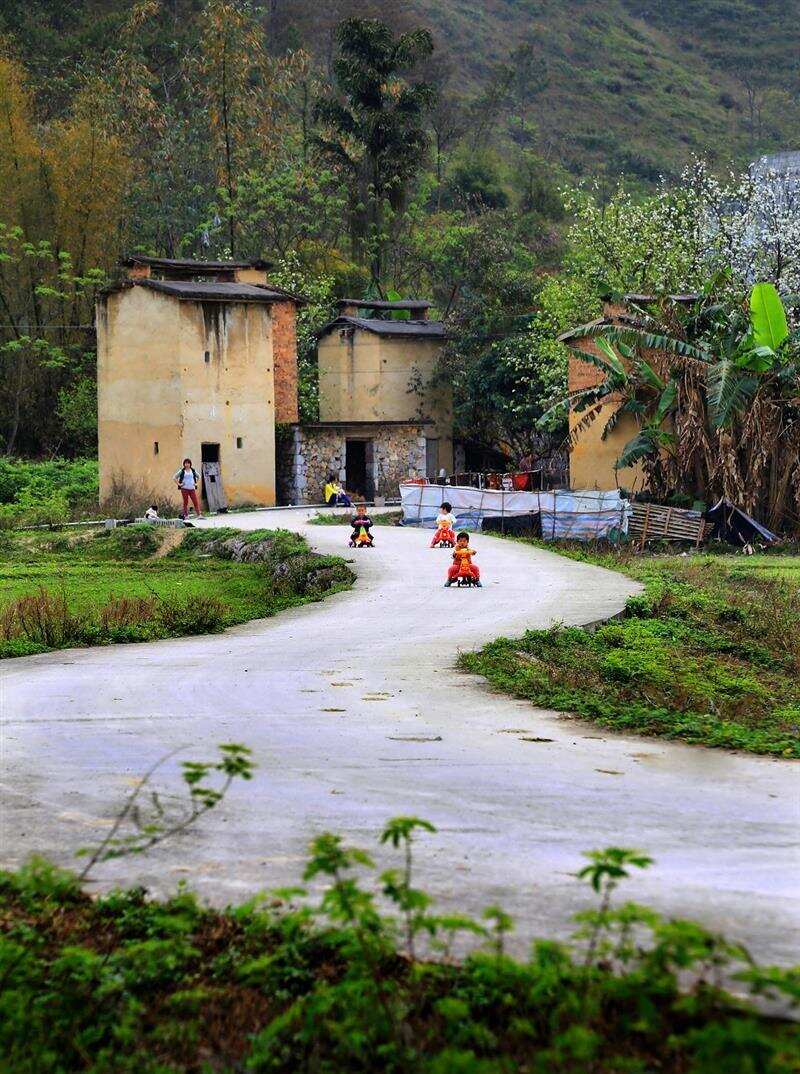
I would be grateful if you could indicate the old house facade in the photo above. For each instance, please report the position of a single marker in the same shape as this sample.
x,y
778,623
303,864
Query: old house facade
x,y
195,359
198,359
384,413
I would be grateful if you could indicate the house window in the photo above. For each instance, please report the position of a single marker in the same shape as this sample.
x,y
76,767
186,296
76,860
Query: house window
x,y
155,447
207,357
239,442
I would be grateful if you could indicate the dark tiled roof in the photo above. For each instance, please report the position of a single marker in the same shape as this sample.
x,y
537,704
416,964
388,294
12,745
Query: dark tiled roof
x,y
197,267
414,422
193,291
379,304
416,329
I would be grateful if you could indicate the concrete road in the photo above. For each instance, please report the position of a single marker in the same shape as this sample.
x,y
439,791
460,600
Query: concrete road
x,y
356,714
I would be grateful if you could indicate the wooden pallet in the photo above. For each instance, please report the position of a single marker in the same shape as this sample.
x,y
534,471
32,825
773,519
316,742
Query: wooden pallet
x,y
654,522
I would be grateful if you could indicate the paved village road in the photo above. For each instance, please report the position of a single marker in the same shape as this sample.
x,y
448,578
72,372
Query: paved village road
x,y
356,714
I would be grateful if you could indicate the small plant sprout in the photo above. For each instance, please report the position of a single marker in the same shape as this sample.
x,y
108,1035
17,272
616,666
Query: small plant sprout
x,y
397,885
607,867
501,924
152,821
344,901
605,870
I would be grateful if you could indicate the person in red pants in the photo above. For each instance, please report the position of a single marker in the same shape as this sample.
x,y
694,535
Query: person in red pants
x,y
187,480
462,562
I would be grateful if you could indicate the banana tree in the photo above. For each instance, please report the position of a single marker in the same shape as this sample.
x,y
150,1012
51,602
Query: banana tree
x,y
715,390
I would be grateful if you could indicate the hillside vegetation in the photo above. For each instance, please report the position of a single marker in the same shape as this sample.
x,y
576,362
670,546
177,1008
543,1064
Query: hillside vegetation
x,y
627,86
637,87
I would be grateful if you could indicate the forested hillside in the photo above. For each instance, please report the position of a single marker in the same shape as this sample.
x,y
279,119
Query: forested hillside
x,y
633,86
431,148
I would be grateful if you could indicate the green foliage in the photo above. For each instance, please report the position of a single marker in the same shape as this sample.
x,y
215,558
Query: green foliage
x,y
125,983
46,493
768,317
373,133
706,654
317,290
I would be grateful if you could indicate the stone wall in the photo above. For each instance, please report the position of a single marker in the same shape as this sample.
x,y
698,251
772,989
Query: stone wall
x,y
308,454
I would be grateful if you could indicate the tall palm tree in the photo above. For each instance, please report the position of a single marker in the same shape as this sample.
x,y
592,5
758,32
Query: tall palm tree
x,y
373,130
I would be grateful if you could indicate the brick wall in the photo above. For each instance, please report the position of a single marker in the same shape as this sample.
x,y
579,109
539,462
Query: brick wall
x,y
284,356
583,374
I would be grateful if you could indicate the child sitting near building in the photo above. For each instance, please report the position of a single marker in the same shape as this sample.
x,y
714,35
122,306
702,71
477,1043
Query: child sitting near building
x,y
462,562
445,521
151,514
334,494
362,524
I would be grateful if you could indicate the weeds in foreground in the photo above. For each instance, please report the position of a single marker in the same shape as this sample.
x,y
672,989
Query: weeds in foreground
x,y
314,980
322,981
151,818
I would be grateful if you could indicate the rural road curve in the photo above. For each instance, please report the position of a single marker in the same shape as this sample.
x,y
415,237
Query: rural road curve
x,y
355,714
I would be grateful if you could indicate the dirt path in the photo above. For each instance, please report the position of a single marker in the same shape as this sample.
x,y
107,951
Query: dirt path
x,y
356,714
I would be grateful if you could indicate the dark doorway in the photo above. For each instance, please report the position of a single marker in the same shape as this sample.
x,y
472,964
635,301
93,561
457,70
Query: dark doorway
x,y
209,459
357,477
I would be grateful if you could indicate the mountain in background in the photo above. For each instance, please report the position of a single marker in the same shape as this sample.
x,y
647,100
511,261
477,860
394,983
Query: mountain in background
x,y
610,87
639,86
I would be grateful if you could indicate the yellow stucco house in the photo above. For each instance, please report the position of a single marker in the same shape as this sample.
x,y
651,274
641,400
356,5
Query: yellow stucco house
x,y
385,413
592,460
197,359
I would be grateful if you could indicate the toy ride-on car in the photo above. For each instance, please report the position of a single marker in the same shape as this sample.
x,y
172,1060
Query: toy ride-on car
x,y
466,578
444,539
361,539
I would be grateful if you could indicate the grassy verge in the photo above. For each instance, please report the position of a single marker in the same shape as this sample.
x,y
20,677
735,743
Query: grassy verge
x,y
383,518
121,585
125,985
709,654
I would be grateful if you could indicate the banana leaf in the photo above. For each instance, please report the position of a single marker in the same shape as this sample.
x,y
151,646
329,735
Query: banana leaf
x,y
642,445
767,316
729,390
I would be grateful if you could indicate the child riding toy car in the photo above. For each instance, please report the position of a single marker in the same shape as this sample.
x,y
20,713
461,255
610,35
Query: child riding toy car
x,y
463,571
362,524
445,536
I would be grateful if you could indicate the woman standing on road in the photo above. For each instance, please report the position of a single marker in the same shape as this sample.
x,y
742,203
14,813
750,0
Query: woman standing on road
x,y
187,480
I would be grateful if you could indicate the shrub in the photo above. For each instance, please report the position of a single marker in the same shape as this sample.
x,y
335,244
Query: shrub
x,y
132,985
128,542
130,497
30,510
44,619
121,616
197,615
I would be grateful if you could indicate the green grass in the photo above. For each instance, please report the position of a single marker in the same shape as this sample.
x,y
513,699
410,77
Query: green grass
x,y
191,589
709,654
383,518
